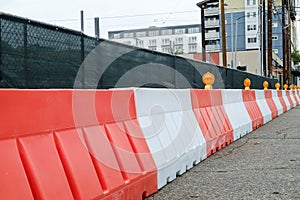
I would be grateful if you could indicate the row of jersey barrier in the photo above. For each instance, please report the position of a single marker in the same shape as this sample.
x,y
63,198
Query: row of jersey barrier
x,y
120,144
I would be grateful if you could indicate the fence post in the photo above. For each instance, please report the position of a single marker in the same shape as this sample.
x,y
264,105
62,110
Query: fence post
x,y
82,61
1,52
25,63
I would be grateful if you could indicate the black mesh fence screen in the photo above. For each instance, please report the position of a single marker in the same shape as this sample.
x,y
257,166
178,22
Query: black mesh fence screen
x,y
37,55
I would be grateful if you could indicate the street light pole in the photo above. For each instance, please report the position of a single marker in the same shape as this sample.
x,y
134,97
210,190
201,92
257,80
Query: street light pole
x,y
235,43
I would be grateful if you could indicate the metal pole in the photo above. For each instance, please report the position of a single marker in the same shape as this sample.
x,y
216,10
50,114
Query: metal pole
x,y
0,53
231,16
264,37
223,34
97,27
285,75
288,38
25,38
203,34
261,40
235,48
270,45
82,49
82,20
259,37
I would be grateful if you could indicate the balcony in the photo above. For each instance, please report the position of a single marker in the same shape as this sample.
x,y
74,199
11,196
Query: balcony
x,y
212,23
211,11
215,47
212,35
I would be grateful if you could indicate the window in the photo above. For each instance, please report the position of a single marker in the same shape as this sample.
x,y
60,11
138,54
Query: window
x,y
152,43
251,2
152,48
192,48
193,39
251,27
179,48
275,51
140,34
180,31
211,31
153,33
165,41
251,14
252,40
274,24
128,35
117,36
140,43
166,49
194,30
211,19
166,32
274,37
179,40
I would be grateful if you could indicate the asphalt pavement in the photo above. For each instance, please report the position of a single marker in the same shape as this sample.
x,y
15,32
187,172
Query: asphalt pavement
x,y
265,164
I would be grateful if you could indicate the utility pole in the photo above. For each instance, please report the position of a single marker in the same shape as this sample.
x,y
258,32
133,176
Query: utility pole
x,y
260,38
288,38
270,33
223,34
264,37
285,71
203,34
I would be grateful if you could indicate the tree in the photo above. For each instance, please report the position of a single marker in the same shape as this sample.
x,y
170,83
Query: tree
x,y
296,56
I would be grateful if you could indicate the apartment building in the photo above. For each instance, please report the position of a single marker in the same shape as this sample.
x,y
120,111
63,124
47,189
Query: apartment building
x,y
172,39
243,35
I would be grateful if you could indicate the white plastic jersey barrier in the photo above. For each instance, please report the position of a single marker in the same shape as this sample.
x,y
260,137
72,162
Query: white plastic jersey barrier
x,y
293,99
277,102
263,105
297,96
170,130
284,95
237,112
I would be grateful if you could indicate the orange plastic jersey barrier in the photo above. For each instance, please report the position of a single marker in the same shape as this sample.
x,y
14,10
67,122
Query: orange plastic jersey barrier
x,y
271,103
253,110
212,119
73,144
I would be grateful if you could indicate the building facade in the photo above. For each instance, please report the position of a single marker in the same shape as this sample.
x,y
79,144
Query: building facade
x,y
243,19
173,39
243,35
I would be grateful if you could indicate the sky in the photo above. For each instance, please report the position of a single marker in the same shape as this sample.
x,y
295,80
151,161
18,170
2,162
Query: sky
x,y
114,15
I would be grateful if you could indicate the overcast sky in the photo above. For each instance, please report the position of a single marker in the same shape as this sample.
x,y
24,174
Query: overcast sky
x,y
67,13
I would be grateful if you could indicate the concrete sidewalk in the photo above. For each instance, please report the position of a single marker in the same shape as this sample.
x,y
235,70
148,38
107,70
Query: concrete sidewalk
x,y
265,164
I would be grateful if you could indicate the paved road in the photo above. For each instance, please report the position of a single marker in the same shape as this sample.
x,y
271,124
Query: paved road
x,y
265,164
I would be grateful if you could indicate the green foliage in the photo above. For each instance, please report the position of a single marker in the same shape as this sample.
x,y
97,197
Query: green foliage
x,y
178,52
296,56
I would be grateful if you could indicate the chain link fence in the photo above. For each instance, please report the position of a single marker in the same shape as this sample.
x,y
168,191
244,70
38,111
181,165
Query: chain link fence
x,y
38,55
